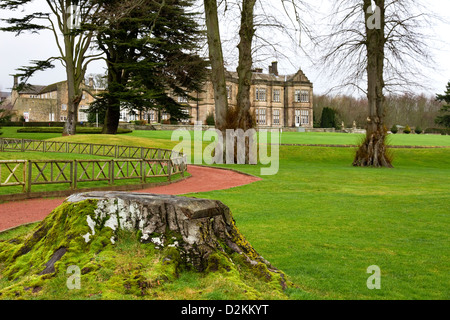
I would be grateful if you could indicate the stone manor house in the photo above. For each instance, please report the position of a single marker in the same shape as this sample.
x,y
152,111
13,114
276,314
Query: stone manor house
x,y
278,101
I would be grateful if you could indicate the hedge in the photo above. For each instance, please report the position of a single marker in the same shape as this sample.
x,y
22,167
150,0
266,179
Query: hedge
x,y
82,130
442,131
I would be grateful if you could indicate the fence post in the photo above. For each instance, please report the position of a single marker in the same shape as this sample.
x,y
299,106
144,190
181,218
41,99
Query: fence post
x,y
111,172
30,174
182,163
1,144
24,188
144,169
169,169
22,148
141,167
74,174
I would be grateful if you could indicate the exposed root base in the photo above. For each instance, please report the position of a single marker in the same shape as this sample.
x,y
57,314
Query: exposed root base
x,y
373,152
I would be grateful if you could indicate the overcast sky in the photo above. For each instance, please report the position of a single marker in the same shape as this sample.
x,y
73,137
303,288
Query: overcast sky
x,y
18,51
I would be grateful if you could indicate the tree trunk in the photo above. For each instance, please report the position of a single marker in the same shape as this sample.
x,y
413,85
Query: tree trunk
x,y
244,119
112,115
217,63
73,92
373,151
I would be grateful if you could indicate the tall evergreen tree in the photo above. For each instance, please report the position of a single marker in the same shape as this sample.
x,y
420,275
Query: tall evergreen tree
x,y
444,120
151,52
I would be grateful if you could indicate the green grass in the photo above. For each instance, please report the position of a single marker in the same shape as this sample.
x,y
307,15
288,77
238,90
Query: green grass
x,y
11,132
324,138
355,139
160,138
324,222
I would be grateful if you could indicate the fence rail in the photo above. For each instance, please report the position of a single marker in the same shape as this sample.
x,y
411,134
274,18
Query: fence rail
x,y
137,163
114,151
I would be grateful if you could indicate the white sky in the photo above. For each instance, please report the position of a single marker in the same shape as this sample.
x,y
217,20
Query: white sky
x,y
18,51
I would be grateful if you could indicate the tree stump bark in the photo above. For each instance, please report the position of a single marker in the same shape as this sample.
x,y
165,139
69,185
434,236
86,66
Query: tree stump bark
x,y
196,227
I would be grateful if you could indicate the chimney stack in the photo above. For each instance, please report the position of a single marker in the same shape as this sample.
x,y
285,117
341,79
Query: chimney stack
x,y
91,82
274,68
16,81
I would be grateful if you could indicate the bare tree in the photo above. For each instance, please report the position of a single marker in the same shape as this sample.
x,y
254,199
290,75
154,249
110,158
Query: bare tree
x,y
254,21
63,17
380,43
217,63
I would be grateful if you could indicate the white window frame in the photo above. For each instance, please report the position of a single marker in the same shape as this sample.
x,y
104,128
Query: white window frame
x,y
261,94
182,99
304,96
297,117
260,116
304,116
297,95
185,111
276,116
276,95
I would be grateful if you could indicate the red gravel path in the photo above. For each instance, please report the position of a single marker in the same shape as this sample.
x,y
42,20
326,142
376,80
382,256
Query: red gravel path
x,y
203,179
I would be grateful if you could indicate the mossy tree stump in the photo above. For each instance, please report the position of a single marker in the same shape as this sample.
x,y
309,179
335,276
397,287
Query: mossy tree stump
x,y
197,227
131,245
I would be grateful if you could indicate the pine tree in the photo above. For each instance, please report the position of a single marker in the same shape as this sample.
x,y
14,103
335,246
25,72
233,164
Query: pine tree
x,y
444,120
150,50
328,119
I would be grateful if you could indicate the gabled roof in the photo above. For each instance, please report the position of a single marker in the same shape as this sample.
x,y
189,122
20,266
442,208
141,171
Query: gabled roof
x,y
32,89
52,87
297,77
39,89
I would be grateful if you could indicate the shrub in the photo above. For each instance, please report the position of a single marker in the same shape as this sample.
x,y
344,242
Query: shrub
x,y
418,130
210,121
328,119
407,130
394,129
437,131
81,130
140,122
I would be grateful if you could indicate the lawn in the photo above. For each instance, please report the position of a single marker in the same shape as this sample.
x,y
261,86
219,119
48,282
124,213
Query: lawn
x,y
326,138
324,222
160,138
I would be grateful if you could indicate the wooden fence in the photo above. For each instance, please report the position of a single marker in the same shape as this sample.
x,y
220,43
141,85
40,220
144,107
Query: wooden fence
x,y
137,163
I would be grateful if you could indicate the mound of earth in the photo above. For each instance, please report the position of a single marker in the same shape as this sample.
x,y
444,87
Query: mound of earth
x,y
117,245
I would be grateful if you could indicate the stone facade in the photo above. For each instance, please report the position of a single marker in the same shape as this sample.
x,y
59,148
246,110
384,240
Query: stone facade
x,y
277,101
48,103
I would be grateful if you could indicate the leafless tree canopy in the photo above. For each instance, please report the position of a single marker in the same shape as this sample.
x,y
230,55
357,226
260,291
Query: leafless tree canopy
x,y
407,51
